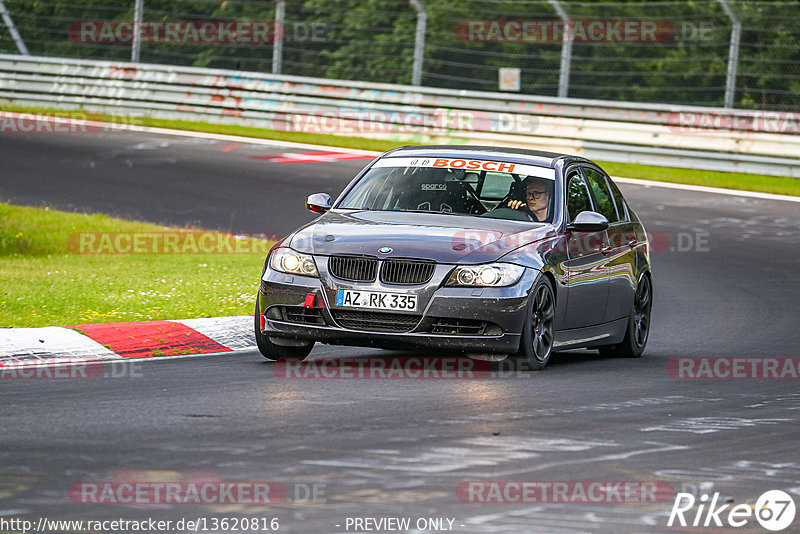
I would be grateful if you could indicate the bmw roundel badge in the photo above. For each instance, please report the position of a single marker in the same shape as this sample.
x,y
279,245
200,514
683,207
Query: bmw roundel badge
x,y
384,250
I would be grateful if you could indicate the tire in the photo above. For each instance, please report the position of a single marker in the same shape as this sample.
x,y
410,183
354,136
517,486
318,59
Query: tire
x,y
638,330
538,330
270,350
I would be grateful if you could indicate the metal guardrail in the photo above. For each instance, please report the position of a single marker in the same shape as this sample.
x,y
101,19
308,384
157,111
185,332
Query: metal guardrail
x,y
639,133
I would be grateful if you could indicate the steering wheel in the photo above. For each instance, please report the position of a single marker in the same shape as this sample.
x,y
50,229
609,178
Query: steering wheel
x,y
524,208
508,214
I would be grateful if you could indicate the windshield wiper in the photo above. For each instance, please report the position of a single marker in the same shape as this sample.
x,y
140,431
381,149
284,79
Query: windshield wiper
x,y
441,212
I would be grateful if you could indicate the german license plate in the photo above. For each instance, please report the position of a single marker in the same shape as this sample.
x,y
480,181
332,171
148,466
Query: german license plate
x,y
376,300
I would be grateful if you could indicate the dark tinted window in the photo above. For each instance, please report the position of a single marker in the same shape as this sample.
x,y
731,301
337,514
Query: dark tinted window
x,y
603,199
495,185
577,196
387,187
620,202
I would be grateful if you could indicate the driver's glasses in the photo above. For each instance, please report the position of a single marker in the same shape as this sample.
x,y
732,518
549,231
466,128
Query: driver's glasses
x,y
536,194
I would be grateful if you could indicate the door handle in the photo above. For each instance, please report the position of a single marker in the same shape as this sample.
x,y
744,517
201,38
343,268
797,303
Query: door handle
x,y
606,249
633,242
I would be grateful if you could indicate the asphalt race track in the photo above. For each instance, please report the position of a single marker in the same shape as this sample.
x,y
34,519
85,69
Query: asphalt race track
x,y
726,284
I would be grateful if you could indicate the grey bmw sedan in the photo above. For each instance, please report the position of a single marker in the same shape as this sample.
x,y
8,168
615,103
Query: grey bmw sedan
x,y
480,250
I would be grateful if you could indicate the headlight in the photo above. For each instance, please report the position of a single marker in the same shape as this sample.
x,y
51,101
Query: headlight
x,y
286,260
490,275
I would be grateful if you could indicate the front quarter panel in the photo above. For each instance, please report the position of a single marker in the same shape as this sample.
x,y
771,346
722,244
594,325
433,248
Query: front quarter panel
x,y
547,256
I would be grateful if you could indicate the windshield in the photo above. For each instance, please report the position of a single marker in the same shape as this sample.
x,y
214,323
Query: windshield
x,y
500,190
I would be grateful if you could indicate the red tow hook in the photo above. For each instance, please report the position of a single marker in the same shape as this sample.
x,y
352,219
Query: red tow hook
x,y
309,302
263,322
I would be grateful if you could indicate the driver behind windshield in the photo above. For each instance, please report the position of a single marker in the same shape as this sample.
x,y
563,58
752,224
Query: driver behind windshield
x,y
537,199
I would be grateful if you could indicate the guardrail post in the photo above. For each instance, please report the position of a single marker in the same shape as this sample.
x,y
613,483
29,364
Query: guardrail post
x,y
419,42
566,50
12,29
136,49
278,33
733,53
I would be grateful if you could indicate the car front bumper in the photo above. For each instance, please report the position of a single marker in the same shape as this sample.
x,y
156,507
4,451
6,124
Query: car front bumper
x,y
463,319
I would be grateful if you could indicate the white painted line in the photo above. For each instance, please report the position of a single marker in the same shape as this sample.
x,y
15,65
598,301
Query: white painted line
x,y
36,344
232,138
704,189
290,144
202,135
269,142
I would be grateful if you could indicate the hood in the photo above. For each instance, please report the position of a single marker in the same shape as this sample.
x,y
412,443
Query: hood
x,y
443,238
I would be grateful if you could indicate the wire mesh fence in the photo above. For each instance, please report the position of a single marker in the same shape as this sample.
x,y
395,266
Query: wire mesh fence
x,y
690,52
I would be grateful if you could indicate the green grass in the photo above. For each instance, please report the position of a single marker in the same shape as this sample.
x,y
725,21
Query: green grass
x,y
729,180
740,181
45,280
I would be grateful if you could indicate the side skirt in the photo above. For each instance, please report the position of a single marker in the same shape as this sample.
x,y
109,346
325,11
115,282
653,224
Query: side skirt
x,y
592,336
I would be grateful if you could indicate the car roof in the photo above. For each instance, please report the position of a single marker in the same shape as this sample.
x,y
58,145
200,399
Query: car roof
x,y
540,158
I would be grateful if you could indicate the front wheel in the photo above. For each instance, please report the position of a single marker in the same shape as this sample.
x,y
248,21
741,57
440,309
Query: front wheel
x,y
638,324
270,350
538,330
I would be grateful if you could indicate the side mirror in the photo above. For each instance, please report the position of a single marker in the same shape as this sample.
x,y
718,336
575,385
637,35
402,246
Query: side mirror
x,y
319,203
588,221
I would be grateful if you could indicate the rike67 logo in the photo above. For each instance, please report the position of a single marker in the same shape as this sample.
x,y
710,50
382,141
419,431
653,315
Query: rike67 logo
x,y
774,510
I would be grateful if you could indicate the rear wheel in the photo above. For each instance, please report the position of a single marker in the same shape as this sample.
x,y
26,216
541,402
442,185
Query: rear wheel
x,y
638,324
272,351
538,333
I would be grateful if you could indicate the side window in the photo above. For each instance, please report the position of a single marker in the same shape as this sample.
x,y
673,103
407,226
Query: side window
x,y
603,199
495,185
577,196
618,200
